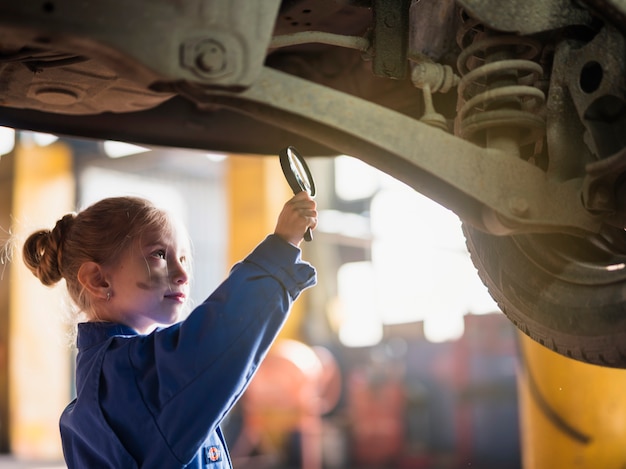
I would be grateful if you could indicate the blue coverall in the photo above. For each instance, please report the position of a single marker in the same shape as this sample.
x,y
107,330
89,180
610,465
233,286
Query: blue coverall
x,y
156,401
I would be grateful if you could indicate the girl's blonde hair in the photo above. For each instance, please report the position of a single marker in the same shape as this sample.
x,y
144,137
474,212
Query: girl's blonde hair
x,y
100,233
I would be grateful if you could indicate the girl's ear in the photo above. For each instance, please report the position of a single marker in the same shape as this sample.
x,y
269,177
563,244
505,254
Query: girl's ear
x,y
91,277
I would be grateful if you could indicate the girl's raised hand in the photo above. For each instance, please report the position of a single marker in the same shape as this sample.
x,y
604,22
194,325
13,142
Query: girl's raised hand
x,y
298,214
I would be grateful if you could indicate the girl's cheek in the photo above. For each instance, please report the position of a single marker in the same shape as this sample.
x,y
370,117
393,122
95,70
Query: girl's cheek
x,y
153,280
159,276
155,274
143,286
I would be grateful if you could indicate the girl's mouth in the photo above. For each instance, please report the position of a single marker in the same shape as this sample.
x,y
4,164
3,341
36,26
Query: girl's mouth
x,y
179,297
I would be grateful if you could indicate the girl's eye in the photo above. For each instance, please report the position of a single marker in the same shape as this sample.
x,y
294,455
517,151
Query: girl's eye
x,y
159,254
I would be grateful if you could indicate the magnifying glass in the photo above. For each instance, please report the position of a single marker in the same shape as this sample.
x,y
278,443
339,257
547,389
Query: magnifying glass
x,y
298,176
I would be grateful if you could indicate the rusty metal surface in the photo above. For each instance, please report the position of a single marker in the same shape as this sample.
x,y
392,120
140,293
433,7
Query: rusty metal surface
x,y
613,10
432,30
594,73
390,38
457,174
527,17
587,111
210,42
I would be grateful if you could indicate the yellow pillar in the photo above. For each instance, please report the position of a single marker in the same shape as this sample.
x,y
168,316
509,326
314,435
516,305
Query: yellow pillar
x,y
39,351
6,203
257,191
573,415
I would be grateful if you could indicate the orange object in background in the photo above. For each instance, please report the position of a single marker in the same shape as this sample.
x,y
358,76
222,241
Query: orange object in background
x,y
377,407
294,386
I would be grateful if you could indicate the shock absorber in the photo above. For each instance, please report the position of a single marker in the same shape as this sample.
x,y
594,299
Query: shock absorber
x,y
498,106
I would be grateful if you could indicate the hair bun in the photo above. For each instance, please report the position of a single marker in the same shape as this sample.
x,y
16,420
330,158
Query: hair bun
x,y
43,251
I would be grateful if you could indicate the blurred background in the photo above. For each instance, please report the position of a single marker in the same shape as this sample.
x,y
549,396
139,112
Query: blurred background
x,y
398,358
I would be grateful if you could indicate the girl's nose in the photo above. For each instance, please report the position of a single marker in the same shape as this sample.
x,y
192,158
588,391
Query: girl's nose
x,y
179,273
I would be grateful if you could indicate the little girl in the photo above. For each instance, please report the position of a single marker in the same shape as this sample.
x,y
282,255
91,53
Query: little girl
x,y
150,396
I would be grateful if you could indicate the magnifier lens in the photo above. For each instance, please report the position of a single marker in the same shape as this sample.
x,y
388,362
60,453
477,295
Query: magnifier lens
x,y
298,176
299,172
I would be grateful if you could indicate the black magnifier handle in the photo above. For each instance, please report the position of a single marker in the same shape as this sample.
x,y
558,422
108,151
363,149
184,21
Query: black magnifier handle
x,y
298,176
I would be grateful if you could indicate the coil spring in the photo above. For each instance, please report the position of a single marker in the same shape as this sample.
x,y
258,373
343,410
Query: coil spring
x,y
496,90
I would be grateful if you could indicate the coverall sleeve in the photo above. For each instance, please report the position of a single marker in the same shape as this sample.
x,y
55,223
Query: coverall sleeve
x,y
192,373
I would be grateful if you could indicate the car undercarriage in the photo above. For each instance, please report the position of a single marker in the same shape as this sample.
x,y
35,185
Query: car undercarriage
x,y
511,114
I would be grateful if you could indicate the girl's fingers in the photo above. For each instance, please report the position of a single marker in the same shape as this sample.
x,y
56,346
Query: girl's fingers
x,y
299,213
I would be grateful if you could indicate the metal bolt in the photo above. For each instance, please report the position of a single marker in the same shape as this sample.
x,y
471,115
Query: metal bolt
x,y
207,57
210,57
